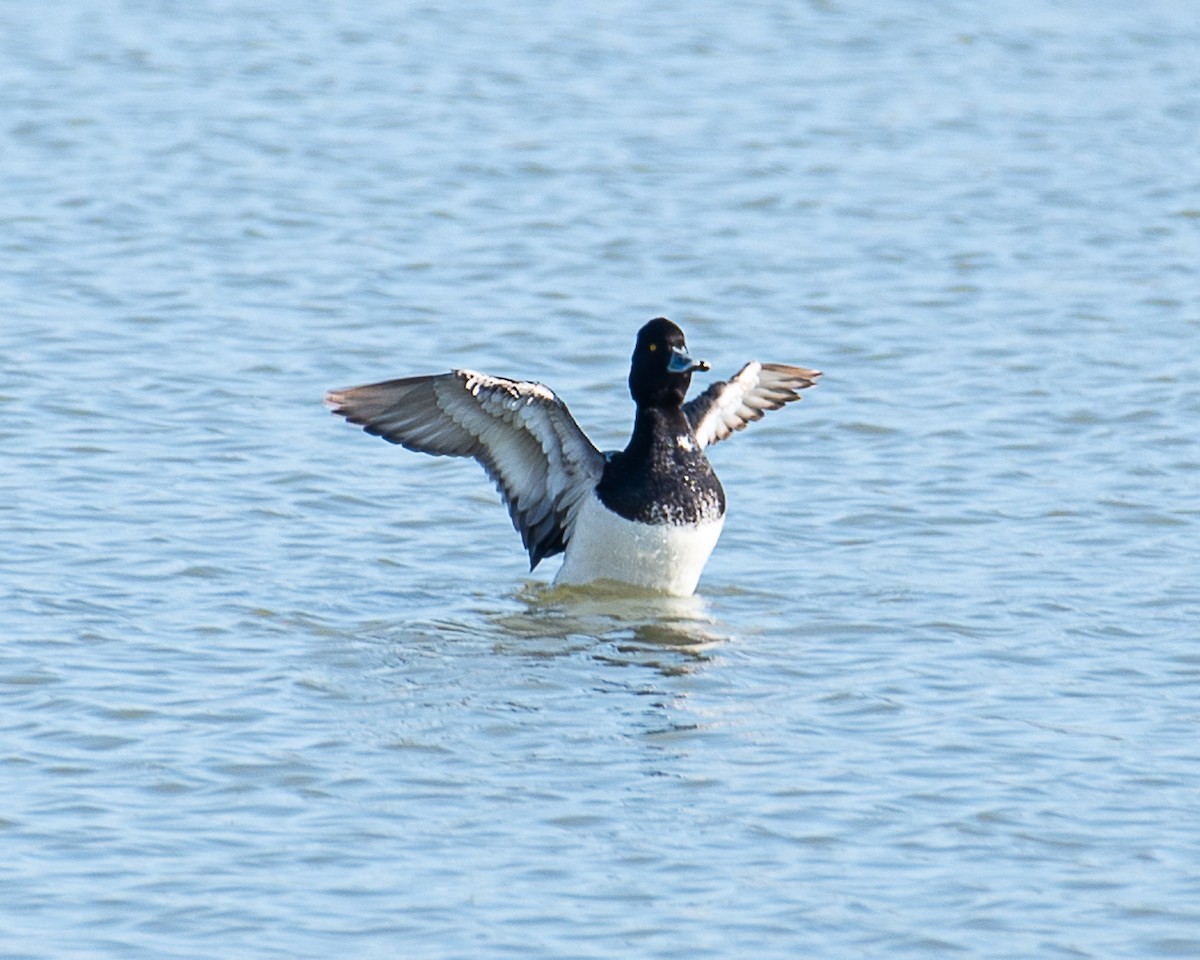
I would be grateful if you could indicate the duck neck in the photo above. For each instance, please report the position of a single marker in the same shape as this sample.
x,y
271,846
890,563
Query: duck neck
x,y
655,426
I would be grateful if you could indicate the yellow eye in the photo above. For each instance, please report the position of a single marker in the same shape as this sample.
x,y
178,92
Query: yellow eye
x,y
653,347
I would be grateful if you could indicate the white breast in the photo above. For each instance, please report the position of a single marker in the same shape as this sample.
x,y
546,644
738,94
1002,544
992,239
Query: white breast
x,y
665,557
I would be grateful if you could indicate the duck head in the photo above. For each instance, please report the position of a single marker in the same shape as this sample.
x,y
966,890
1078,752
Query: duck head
x,y
661,370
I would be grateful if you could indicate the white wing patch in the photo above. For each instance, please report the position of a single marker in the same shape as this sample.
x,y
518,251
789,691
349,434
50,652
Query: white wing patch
x,y
728,405
523,435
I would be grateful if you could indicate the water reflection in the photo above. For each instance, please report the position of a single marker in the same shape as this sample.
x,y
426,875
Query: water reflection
x,y
616,623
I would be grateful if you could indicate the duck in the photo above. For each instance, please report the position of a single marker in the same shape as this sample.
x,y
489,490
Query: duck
x,y
646,517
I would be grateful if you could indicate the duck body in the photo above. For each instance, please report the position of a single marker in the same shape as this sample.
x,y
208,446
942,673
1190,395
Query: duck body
x,y
649,515
663,557
656,514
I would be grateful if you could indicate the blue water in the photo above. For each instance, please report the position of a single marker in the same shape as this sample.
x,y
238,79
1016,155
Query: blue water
x,y
272,688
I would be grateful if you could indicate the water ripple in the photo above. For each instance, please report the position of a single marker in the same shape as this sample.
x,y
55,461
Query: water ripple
x,y
274,690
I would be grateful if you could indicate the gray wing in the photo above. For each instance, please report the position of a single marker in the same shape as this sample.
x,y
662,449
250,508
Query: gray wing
x,y
730,404
541,461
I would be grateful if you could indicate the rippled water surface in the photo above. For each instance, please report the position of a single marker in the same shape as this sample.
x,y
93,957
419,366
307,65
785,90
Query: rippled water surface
x,y
272,688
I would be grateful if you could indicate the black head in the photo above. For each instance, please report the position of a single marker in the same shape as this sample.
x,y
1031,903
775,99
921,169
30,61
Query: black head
x,y
661,370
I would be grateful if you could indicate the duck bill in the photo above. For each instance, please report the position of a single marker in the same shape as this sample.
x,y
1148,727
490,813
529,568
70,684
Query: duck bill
x,y
682,362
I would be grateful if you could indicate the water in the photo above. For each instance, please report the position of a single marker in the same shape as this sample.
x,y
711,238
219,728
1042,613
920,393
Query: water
x,y
272,688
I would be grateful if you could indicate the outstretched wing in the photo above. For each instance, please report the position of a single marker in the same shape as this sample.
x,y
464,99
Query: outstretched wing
x,y
528,442
730,404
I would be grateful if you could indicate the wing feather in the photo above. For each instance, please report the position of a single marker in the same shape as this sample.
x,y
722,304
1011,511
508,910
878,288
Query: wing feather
x,y
728,405
543,464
